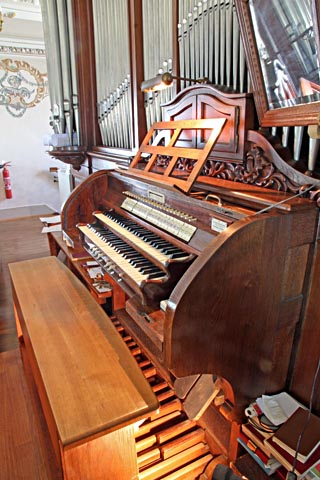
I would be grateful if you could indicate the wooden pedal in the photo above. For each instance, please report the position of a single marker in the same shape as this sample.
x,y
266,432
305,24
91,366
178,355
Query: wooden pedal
x,y
181,443
145,443
159,386
190,471
173,406
174,431
167,466
150,456
149,426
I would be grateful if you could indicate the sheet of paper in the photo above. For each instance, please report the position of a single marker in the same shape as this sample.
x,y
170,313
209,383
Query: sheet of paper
x,y
48,220
278,408
102,287
95,272
52,228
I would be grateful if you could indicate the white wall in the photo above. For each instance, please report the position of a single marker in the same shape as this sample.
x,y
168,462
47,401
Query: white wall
x,y
21,142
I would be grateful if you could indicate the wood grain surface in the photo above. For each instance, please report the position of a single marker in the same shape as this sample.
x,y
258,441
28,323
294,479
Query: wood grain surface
x,y
91,380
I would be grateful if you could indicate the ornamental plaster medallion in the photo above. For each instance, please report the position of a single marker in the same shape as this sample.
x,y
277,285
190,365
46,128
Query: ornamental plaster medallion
x,y
22,86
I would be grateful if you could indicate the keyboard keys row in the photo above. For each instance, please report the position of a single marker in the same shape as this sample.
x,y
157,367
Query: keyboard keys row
x,y
112,251
159,248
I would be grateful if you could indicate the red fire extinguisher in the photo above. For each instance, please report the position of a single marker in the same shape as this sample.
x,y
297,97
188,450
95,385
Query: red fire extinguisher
x,y
6,179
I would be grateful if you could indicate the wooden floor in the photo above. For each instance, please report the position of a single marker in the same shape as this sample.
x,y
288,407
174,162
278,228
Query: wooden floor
x,y
20,239
25,451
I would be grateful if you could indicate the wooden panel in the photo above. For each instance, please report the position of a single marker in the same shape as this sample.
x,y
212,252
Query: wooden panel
x,y
86,72
206,101
137,73
296,261
308,352
245,263
228,140
83,201
305,223
111,456
187,110
29,356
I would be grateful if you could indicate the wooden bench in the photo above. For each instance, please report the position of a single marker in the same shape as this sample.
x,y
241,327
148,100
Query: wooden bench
x,y
91,389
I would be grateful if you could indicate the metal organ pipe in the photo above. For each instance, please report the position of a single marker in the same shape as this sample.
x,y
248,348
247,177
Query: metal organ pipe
x,y
73,71
113,72
59,42
208,41
158,50
65,67
210,45
51,37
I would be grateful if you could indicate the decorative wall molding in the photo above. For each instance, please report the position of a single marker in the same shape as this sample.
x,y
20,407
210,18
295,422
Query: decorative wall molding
x,y
22,32
22,86
22,51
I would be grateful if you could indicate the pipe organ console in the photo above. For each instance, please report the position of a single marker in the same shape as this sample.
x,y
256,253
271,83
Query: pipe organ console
x,y
214,266
213,280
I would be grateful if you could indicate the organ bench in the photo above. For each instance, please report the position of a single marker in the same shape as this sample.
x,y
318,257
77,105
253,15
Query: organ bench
x,y
91,389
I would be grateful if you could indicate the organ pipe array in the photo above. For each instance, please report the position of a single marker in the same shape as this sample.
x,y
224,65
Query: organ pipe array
x,y
189,38
114,93
209,47
60,54
158,53
209,43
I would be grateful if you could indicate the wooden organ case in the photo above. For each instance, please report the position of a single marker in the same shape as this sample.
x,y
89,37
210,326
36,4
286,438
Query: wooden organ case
x,y
225,266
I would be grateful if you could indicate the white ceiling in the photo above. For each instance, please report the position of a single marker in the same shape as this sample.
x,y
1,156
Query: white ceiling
x,y
24,30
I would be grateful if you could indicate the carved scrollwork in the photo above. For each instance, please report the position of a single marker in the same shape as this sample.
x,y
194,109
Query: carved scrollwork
x,y
259,171
162,161
183,164
256,169
218,169
315,195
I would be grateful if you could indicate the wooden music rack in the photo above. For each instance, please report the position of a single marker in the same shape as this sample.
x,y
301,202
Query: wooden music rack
x,y
170,133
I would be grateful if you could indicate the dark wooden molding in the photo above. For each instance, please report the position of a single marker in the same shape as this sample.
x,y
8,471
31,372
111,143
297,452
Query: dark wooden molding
x,y
300,114
86,72
139,126
74,156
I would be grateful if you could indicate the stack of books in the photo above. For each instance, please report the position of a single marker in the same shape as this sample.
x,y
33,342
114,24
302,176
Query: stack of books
x,y
252,440
294,446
